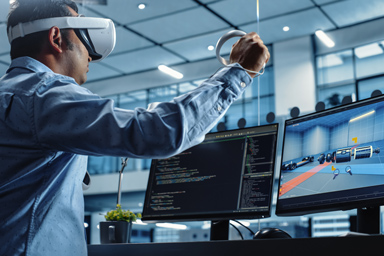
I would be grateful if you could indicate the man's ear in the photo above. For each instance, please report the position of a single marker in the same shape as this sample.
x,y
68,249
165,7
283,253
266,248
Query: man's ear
x,y
55,39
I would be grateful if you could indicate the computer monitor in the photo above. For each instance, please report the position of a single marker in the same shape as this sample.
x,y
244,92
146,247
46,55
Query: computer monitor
x,y
228,176
334,160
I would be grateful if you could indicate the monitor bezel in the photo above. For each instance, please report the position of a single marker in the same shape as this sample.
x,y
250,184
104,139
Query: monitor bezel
x,y
336,206
217,216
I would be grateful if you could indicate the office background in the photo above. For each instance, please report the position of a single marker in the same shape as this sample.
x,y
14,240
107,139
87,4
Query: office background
x,y
181,34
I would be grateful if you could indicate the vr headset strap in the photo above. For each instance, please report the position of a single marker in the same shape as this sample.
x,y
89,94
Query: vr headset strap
x,y
23,29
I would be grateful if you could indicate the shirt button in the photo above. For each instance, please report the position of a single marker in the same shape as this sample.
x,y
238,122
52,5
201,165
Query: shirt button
x,y
219,108
242,84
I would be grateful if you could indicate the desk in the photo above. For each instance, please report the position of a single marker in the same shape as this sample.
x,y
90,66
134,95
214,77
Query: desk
x,y
345,246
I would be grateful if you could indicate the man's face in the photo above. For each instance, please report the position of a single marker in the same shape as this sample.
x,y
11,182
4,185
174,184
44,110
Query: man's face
x,y
76,57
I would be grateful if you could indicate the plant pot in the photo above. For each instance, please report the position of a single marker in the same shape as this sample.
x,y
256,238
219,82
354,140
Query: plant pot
x,y
115,232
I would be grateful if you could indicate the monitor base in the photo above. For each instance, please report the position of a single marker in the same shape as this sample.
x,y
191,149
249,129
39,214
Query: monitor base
x,y
368,220
219,230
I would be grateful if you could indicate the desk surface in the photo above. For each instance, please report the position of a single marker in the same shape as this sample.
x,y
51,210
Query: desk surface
x,y
361,245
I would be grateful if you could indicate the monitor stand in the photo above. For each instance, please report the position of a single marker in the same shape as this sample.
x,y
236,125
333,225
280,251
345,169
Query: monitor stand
x,y
368,220
219,230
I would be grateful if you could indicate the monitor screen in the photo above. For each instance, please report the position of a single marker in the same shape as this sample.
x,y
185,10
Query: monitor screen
x,y
333,159
228,176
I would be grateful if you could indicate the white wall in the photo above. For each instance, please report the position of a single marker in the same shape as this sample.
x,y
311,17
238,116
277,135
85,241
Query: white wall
x,y
293,62
339,136
293,147
315,140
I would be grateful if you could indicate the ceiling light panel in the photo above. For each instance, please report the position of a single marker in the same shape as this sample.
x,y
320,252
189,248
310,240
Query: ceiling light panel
x,y
170,71
180,25
346,13
141,60
142,6
126,12
324,38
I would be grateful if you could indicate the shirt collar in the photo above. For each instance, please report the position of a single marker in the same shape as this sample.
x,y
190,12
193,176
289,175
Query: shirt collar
x,y
29,63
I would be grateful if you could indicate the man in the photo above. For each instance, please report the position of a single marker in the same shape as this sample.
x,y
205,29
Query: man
x,y
49,124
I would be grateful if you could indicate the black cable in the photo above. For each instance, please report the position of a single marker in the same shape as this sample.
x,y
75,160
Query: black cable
x,y
253,233
242,238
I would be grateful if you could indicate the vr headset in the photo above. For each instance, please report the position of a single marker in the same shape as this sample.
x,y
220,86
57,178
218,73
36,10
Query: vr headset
x,y
97,34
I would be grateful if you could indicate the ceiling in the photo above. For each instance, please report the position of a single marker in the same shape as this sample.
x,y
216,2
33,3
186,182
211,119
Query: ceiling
x,y
174,32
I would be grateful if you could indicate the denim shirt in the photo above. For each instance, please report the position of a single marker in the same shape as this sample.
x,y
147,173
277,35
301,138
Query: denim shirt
x,y
48,126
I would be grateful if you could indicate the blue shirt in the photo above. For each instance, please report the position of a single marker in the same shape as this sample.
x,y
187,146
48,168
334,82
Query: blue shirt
x,y
49,124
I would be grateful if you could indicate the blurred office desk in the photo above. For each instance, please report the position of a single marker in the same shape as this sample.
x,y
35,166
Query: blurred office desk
x,y
349,246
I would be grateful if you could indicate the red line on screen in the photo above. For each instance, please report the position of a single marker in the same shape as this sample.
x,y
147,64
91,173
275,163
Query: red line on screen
x,y
301,178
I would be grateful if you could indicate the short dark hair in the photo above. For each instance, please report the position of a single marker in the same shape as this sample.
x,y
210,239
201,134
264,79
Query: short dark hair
x,y
29,10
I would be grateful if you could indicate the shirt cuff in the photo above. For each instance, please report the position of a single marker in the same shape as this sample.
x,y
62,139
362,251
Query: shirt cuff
x,y
233,77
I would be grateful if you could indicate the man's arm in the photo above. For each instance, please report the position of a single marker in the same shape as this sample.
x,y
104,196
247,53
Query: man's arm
x,y
70,118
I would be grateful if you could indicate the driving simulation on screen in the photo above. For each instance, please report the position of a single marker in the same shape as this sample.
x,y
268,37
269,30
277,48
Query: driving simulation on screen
x,y
333,157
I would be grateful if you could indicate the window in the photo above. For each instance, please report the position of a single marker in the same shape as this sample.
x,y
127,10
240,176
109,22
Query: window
x,y
252,106
333,95
354,72
163,94
367,86
369,60
335,68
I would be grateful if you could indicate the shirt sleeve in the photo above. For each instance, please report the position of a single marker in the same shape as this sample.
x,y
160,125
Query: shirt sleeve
x,y
67,117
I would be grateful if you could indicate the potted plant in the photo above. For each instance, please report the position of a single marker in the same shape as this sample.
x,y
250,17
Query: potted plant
x,y
118,226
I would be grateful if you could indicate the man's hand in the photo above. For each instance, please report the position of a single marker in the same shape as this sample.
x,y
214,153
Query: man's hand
x,y
250,52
